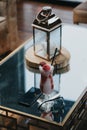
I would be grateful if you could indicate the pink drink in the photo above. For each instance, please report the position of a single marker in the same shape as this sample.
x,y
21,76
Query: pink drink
x,y
46,82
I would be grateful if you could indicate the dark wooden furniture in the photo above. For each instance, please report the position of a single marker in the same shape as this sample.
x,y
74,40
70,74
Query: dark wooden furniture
x,y
80,13
8,28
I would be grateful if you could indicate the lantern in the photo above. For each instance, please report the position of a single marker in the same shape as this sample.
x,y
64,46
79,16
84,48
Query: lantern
x,y
47,34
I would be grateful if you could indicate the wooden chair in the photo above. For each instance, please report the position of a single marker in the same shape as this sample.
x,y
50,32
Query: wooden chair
x,y
80,13
8,26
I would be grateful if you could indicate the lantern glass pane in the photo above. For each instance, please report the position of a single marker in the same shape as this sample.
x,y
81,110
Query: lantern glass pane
x,y
54,41
40,43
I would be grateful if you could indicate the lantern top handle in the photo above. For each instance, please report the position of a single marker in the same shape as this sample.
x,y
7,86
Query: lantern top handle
x,y
46,19
44,14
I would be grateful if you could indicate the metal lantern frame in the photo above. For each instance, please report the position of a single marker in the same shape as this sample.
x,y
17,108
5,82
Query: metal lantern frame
x,y
48,32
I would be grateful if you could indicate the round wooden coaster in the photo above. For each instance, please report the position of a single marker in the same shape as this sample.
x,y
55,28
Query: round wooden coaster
x,y
60,61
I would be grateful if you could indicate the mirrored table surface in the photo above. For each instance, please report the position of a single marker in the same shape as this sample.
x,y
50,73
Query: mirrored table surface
x,y
16,79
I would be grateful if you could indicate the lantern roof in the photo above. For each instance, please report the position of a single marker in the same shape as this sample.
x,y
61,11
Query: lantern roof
x,y
51,24
46,20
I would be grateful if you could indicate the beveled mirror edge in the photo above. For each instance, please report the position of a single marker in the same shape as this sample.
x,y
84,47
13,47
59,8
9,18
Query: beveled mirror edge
x,y
74,107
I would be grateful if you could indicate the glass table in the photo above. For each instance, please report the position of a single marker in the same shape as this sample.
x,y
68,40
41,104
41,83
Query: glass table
x,y
16,80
